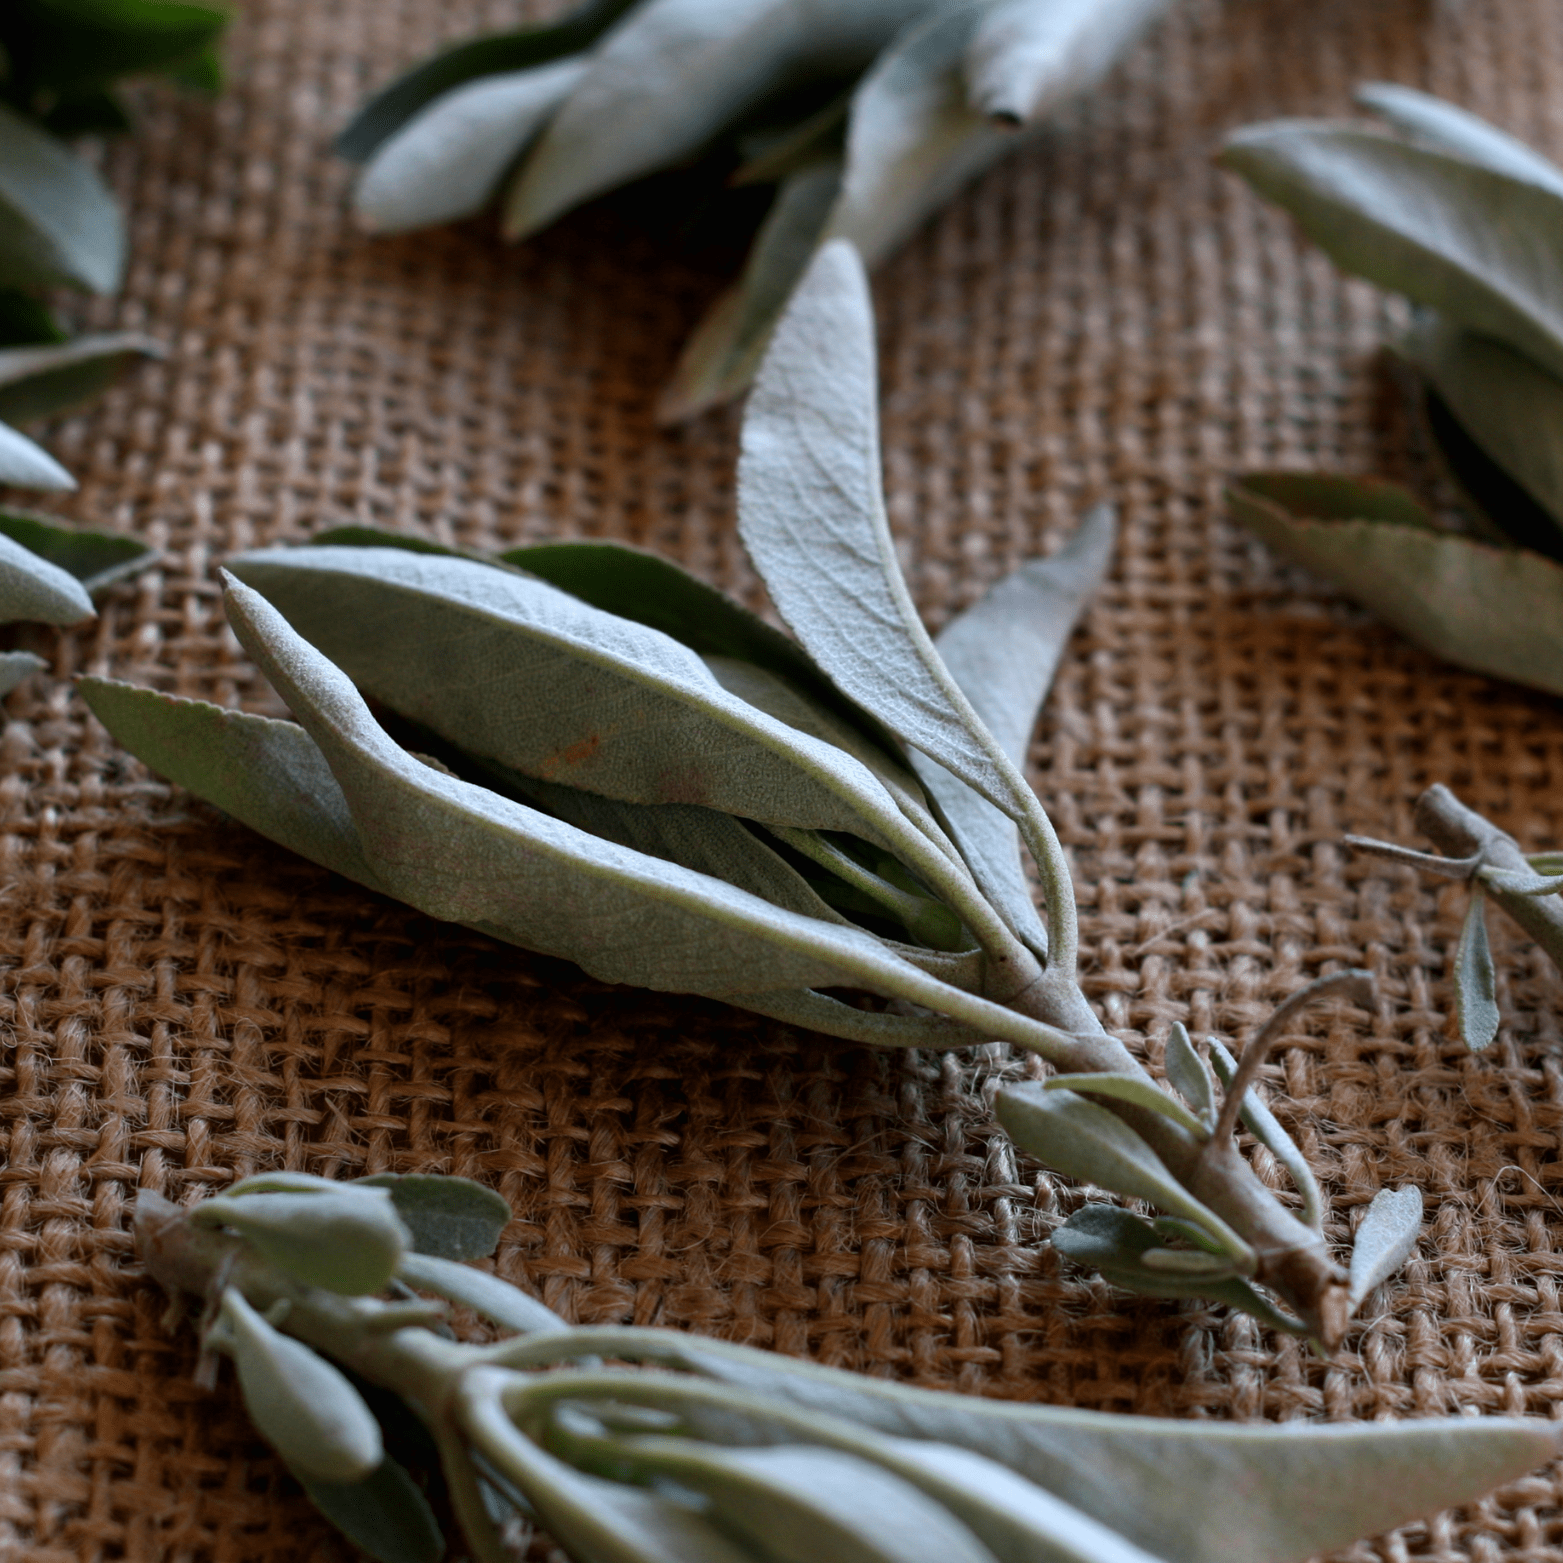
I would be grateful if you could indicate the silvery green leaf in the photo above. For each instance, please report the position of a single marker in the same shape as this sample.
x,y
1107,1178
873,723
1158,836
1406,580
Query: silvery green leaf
x,y
876,1028
283,1181
1131,1088
1189,1074
1148,1478
448,160
38,382
1385,1239
17,665
390,108
33,588
58,222
449,1217
1475,980
1477,245
1486,608
384,1514
496,1300
96,559
1266,1128
1504,401
1003,652
672,75
467,854
724,350
1083,1140
303,1406
267,774
24,464
1520,884
1028,56
347,1240
1187,1261
1456,130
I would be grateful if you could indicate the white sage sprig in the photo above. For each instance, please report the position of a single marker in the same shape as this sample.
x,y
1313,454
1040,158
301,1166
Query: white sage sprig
x,y
690,1450
867,115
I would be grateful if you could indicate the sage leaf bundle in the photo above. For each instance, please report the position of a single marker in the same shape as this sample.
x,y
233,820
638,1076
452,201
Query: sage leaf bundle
x,y
1467,223
1526,888
866,115
577,748
691,1450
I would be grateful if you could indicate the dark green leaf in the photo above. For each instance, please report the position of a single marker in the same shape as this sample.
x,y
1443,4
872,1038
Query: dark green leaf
x,y
24,322
385,113
385,1514
451,1218
1495,610
38,382
1475,981
96,559
92,114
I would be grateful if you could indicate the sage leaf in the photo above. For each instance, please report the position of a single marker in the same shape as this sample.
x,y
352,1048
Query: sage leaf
x,y
1511,407
464,853
16,666
1485,608
1131,1088
384,1514
1443,125
303,1406
1003,652
1027,58
58,222
1083,1140
674,73
448,1217
267,774
24,464
724,350
1475,980
1386,1238
1148,1478
1189,1075
1520,884
502,1304
391,108
448,160
96,559
33,588
38,382
1478,245
346,1239
1266,1128
874,1028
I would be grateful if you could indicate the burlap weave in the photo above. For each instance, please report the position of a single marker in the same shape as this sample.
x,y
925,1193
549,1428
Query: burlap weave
x,y
1104,316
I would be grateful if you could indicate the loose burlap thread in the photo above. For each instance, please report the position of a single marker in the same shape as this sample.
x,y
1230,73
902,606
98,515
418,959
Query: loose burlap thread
x,y
1103,316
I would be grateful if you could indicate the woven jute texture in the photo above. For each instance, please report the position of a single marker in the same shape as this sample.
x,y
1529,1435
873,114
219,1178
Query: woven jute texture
x,y
1104,316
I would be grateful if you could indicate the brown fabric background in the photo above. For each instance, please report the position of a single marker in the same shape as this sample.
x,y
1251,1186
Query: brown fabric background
x,y
1104,316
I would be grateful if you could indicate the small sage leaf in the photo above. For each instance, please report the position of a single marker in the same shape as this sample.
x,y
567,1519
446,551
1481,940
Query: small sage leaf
x,y
1520,884
1131,1088
303,1406
1085,1141
499,1302
16,666
1486,608
1477,245
447,162
1189,1074
24,464
1386,1238
1027,58
449,1217
347,1240
96,559
283,1181
391,108
1186,1261
1475,979
38,382
1456,130
60,222
1266,1128
385,1514
33,588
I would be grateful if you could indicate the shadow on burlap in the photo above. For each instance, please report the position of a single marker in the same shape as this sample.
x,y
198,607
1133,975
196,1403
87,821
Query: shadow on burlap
x,y
1106,316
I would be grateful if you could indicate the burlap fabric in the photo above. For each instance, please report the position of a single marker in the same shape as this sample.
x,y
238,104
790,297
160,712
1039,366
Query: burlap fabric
x,y
1105,316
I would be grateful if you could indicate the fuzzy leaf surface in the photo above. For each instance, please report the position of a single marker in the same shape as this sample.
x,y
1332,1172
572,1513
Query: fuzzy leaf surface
x,y
25,464
1474,977
1189,1076
451,1218
32,588
1495,610
1386,1238
1130,1088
